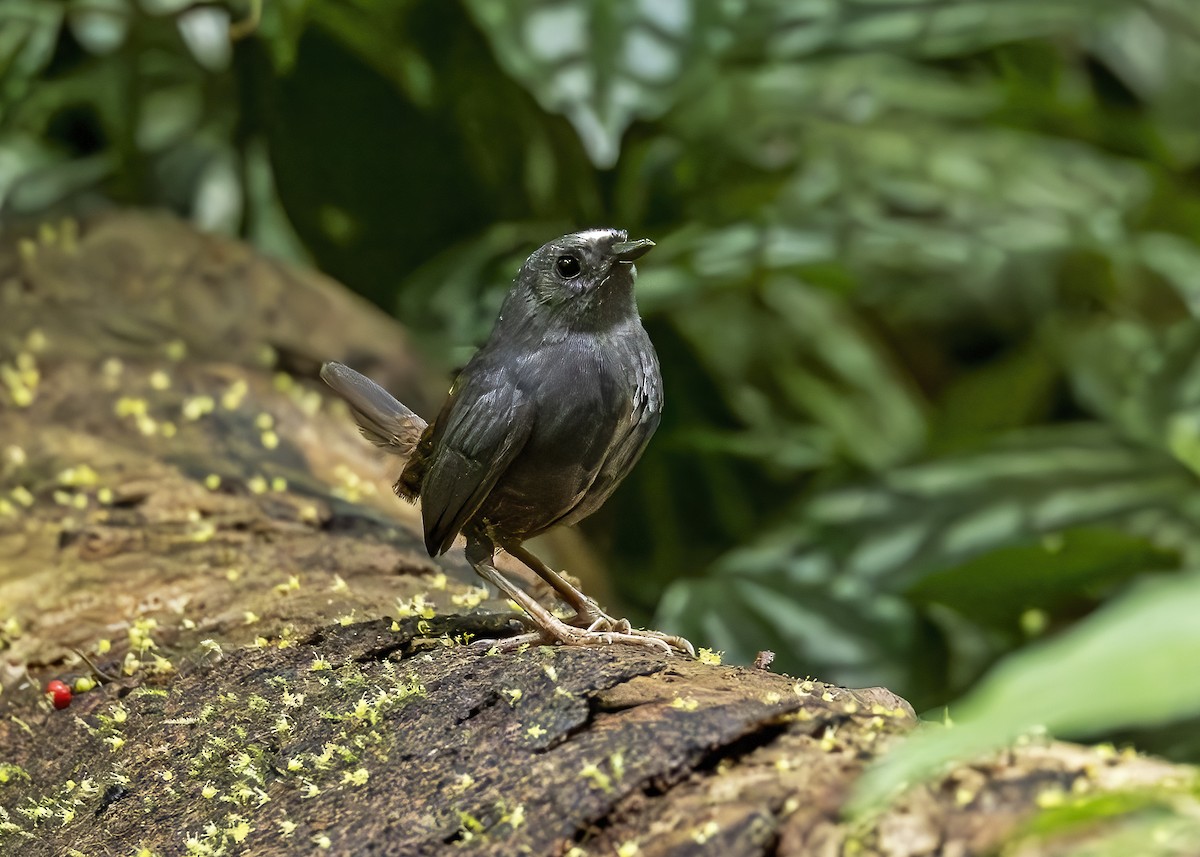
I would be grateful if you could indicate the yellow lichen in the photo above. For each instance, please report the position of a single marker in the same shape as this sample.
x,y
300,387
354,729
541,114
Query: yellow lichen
x,y
1051,797
616,763
591,771
701,835
472,597
418,605
79,476
231,399
685,703
515,818
195,407
36,340
290,585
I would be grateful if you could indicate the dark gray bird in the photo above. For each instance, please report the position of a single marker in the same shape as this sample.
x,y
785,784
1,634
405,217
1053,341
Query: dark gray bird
x,y
540,427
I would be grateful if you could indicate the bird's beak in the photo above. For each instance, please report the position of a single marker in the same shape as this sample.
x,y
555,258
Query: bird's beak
x,y
627,251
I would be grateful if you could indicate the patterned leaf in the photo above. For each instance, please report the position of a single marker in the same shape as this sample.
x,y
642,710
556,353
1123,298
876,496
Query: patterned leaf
x,y
923,27
799,352
604,64
28,31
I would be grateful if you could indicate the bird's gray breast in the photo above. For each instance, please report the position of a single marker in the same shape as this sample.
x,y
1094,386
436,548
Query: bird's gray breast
x,y
596,403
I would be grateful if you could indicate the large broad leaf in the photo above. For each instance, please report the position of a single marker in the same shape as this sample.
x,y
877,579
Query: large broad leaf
x,y
927,27
847,633
28,31
1154,48
100,25
1131,664
884,182
1144,379
943,514
604,64
999,587
797,353
1050,521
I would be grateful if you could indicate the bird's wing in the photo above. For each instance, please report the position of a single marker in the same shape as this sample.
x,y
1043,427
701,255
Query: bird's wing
x,y
481,430
382,419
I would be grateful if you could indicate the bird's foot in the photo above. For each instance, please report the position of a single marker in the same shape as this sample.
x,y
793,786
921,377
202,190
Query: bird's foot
x,y
602,631
590,615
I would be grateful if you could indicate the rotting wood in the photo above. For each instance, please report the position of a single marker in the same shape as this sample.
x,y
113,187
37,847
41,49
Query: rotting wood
x,y
174,482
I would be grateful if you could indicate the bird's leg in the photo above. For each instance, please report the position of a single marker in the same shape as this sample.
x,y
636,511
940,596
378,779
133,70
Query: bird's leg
x,y
588,613
551,629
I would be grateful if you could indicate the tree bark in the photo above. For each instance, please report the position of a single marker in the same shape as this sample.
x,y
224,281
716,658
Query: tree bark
x,y
181,503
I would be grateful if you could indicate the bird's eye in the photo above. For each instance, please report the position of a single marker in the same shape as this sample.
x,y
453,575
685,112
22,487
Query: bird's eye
x,y
568,267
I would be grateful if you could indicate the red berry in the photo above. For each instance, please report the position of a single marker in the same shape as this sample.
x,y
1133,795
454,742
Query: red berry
x,y
59,693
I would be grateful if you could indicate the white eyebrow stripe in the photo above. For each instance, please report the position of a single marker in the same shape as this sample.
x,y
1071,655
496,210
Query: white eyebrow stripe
x,y
597,234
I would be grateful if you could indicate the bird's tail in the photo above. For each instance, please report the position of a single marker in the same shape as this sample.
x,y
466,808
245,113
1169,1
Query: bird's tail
x,y
382,419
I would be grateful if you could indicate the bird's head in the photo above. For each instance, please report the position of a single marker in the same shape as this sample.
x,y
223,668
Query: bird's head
x,y
582,280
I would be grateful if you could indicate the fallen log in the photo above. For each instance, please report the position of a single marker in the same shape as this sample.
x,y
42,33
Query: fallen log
x,y
189,523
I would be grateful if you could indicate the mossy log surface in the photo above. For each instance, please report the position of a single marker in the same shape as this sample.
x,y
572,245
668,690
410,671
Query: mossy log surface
x,y
180,502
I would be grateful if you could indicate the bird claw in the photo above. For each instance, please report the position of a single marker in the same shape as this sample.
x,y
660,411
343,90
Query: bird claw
x,y
603,631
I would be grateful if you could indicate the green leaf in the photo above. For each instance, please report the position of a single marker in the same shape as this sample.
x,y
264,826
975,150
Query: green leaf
x,y
799,353
1011,391
282,25
996,588
603,65
1145,379
1129,664
749,605
941,514
1165,76
927,27
1175,259
28,32
100,25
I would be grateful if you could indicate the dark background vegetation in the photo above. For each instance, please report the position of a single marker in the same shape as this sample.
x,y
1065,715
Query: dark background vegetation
x,y
925,290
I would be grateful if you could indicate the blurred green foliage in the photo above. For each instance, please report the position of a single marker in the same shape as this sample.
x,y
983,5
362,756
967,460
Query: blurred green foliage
x,y
925,295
